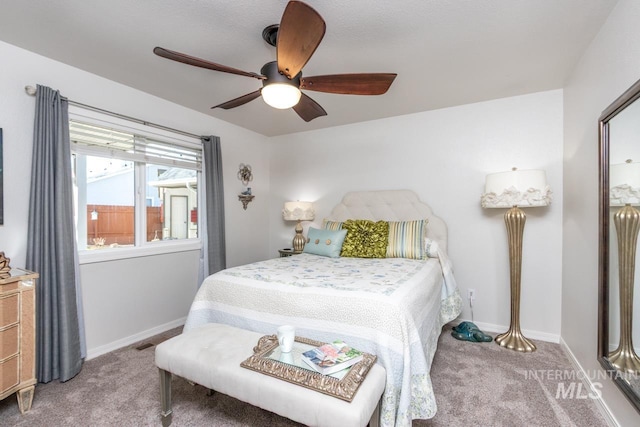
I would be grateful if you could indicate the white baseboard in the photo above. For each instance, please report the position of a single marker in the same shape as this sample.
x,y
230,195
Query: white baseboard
x,y
604,409
104,349
534,335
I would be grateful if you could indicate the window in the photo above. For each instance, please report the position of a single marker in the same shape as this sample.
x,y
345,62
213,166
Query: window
x,y
132,189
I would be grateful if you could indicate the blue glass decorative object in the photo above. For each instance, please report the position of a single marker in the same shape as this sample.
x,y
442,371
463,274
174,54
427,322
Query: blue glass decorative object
x,y
468,331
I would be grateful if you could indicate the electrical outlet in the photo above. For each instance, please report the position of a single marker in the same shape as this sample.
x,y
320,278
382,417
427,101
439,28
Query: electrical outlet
x,y
471,294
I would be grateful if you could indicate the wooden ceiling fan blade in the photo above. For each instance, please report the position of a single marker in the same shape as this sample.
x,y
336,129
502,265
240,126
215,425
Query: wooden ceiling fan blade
x,y
241,100
308,109
192,60
301,31
350,84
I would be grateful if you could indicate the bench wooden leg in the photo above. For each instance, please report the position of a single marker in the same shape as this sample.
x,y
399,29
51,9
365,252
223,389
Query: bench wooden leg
x,y
375,417
165,397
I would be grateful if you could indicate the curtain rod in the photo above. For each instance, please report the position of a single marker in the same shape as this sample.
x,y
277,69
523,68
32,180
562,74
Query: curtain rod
x,y
32,92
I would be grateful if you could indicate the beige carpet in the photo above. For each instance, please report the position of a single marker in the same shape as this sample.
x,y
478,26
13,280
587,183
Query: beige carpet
x,y
476,384
483,384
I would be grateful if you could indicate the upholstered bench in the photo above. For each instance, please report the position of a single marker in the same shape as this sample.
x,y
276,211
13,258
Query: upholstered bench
x,y
210,355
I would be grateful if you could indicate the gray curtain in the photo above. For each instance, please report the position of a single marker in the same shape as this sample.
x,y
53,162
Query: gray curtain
x,y
51,249
213,256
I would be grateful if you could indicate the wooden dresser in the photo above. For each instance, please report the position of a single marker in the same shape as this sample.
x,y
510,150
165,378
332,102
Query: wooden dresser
x,y
18,336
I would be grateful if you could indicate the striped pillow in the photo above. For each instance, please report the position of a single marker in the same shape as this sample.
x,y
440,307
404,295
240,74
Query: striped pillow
x,y
331,225
406,239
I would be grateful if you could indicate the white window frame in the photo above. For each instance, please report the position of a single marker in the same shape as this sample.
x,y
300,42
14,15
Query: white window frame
x,y
142,248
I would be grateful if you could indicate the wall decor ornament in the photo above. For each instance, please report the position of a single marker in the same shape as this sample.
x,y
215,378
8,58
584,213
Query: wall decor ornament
x,y
245,176
245,199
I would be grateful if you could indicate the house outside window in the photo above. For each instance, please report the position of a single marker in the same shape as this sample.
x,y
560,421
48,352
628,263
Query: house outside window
x,y
131,189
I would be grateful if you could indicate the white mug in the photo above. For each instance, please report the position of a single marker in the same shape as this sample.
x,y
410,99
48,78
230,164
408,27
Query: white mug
x,y
286,337
286,358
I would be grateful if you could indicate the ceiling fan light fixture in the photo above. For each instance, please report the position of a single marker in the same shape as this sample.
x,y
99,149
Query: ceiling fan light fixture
x,y
296,38
281,95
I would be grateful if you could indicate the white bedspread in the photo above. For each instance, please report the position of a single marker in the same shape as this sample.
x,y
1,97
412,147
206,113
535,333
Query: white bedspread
x,y
391,307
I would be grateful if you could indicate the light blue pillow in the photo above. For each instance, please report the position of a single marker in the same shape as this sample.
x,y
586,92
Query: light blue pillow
x,y
324,242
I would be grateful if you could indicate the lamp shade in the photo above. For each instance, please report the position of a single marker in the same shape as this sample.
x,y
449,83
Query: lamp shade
x,y
624,184
523,188
298,211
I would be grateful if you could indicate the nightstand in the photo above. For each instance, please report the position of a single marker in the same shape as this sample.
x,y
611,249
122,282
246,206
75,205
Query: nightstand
x,y
18,336
287,252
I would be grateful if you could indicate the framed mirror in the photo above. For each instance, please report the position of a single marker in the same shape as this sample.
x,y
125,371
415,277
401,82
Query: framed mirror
x,y
619,224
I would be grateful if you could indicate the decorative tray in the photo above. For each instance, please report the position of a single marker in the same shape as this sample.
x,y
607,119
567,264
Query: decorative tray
x,y
267,359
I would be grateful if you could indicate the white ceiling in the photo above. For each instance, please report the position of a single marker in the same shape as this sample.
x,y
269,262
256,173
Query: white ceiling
x,y
445,53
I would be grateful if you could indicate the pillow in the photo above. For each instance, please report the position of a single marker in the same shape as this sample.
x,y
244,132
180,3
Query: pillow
x,y
324,242
331,225
365,238
431,248
406,239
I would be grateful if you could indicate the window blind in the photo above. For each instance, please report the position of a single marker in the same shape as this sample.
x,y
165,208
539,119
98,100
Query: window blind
x,y
103,141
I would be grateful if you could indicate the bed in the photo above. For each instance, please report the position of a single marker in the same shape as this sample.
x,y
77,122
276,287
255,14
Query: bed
x,y
392,307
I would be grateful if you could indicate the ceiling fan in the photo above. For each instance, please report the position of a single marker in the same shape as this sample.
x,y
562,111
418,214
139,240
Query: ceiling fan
x,y
300,32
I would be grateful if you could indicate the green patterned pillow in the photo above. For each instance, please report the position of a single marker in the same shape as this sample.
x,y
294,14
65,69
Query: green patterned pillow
x,y
406,239
365,238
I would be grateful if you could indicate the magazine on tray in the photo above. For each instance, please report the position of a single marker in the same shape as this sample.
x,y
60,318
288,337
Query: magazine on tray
x,y
332,357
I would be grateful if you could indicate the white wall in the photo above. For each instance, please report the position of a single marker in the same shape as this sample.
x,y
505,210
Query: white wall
x,y
444,156
117,295
609,66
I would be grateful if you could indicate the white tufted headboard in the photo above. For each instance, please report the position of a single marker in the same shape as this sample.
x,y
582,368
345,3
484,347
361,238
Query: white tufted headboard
x,y
390,205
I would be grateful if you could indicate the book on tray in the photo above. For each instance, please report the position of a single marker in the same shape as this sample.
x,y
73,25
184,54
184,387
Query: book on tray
x,y
332,357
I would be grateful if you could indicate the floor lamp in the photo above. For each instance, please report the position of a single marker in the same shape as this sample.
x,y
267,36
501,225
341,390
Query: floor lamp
x,y
298,211
515,189
624,180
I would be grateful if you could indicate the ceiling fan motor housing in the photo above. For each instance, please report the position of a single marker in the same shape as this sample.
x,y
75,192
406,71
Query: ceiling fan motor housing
x,y
270,34
270,70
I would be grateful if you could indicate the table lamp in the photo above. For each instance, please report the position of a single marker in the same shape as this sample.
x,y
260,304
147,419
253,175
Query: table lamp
x,y
515,189
298,211
624,183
